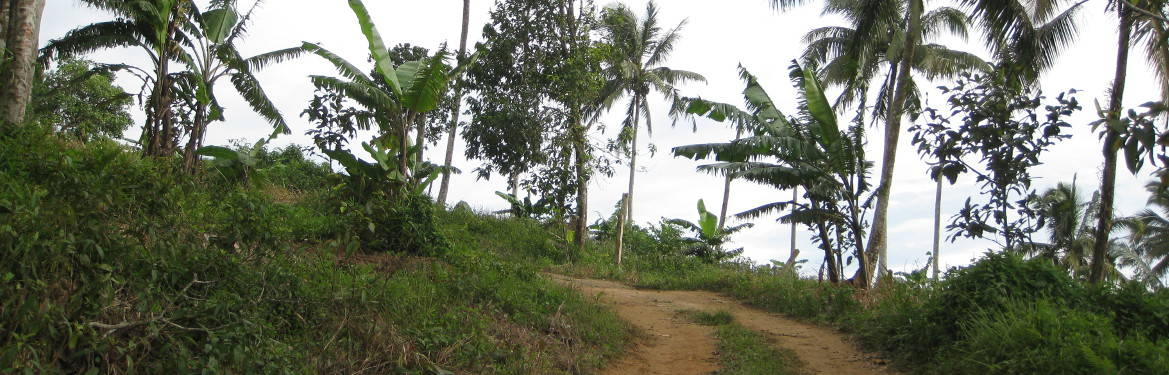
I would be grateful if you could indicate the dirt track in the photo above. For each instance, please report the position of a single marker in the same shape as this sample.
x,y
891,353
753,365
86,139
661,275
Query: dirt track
x,y
675,345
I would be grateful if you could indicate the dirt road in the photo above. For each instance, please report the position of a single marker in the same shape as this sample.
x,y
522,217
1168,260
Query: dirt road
x,y
675,345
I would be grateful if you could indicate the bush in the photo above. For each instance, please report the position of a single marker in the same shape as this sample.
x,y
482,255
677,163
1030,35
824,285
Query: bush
x,y
1039,337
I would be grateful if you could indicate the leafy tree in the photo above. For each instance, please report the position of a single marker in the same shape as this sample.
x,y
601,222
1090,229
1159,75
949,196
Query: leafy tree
x,y
637,48
808,151
709,240
532,88
80,101
20,22
999,123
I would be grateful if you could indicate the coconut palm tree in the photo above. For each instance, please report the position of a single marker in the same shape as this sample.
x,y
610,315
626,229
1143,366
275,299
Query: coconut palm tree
x,y
639,47
20,22
826,47
1149,233
452,131
1142,22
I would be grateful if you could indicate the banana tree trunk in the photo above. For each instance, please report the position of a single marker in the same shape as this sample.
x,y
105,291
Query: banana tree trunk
x,y
452,129
722,216
1111,146
420,138
937,226
189,158
633,158
878,243
20,32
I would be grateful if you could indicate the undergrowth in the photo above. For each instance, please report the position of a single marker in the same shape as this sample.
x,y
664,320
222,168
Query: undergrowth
x,y
111,263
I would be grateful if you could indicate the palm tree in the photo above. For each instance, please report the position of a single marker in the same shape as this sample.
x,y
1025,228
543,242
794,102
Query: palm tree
x,y
155,26
1147,24
638,50
212,55
827,46
1149,234
452,131
20,22
709,236
853,57
808,151
1069,223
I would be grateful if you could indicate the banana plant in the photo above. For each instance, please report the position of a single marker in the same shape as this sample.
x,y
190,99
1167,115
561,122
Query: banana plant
x,y
709,239
211,54
405,94
525,208
808,151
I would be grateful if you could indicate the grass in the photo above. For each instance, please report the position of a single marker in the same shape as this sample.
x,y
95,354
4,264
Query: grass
x,y
112,263
742,351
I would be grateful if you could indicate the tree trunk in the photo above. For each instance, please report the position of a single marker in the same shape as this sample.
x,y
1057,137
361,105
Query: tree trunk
x,y
792,251
5,19
621,228
1111,146
580,149
722,216
189,158
420,138
21,33
937,225
515,185
452,130
877,239
633,157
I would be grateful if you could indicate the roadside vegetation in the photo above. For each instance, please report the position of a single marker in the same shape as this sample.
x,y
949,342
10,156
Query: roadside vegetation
x,y
139,248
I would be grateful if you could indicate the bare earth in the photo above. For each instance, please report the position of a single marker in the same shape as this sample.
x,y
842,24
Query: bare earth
x,y
675,345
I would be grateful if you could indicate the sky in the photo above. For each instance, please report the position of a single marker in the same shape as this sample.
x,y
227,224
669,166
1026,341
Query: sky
x,y
715,40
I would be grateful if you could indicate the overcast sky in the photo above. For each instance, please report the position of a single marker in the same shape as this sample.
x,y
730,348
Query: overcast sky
x,y
717,38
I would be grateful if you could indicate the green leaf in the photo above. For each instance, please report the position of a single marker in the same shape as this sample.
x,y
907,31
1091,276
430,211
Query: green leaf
x,y
819,107
218,152
217,24
427,86
377,47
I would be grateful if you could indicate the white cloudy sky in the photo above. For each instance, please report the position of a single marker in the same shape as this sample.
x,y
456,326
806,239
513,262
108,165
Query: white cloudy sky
x,y
718,38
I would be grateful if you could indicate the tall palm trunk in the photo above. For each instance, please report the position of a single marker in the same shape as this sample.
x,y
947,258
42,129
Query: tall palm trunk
x,y
792,252
722,216
1111,146
20,33
452,131
878,243
633,157
937,225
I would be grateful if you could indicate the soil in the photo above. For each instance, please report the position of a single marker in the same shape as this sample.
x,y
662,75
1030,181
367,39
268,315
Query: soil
x,y
672,344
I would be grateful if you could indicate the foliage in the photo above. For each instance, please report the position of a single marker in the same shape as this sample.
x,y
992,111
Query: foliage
x,y
525,209
1001,124
395,98
81,101
112,262
708,240
809,151
537,71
